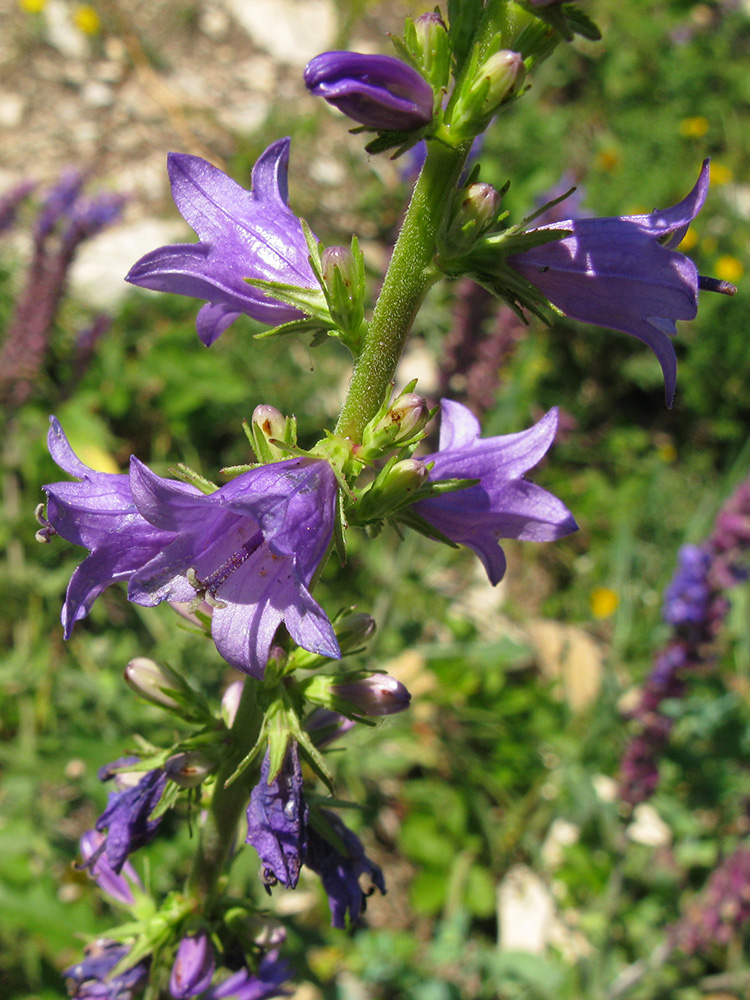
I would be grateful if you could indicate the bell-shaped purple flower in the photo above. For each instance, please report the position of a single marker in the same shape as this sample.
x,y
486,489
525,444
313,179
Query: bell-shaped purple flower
x,y
243,234
117,887
339,872
503,504
250,549
127,818
623,273
277,821
98,513
380,92
193,966
90,979
260,985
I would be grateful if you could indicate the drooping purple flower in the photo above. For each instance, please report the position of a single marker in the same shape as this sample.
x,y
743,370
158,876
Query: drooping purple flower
x,y
277,821
380,92
193,967
260,985
624,273
90,979
95,860
340,873
243,234
98,513
503,504
251,549
127,816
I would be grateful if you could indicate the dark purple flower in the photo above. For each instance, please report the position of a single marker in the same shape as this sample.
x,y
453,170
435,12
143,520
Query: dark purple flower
x,y
90,978
339,872
193,966
277,820
623,273
98,513
250,549
127,816
262,985
243,234
687,597
118,887
503,504
380,92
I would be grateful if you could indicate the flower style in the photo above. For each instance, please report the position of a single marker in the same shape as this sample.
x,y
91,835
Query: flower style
x,y
339,872
243,234
380,92
277,821
127,816
98,513
503,504
250,549
624,273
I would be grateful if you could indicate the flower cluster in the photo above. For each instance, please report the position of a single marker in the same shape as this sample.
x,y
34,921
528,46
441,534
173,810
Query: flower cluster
x,y
719,914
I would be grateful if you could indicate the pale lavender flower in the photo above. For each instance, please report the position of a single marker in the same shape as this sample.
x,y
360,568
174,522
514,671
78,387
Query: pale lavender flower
x,y
277,821
243,234
127,818
503,504
90,979
250,548
98,513
260,985
117,887
380,92
340,873
625,273
193,966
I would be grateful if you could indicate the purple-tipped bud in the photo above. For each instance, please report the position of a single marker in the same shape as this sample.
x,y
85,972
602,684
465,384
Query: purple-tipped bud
x,y
193,967
375,695
267,426
402,422
379,92
149,681
230,702
431,48
189,769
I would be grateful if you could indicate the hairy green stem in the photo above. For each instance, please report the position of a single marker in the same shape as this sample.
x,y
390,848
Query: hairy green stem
x,y
216,837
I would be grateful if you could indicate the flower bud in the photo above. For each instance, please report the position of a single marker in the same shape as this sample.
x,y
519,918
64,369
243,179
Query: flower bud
x,y
267,426
189,769
340,259
344,277
193,967
494,81
380,92
402,422
427,38
378,694
230,702
476,210
393,488
353,629
151,682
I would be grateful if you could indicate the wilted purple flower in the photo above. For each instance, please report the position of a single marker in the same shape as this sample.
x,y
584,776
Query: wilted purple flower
x,y
378,694
98,513
625,273
193,966
339,872
686,598
118,887
277,821
243,234
250,549
503,504
127,816
90,978
380,92
260,985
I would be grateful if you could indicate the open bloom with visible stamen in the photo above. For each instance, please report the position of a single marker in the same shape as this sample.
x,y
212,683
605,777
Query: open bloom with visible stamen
x,y
250,549
503,504
624,273
243,234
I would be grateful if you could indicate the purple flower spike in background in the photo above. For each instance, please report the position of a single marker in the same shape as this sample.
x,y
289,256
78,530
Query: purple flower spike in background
x,y
625,273
250,549
127,816
98,513
193,966
503,504
243,234
277,821
379,92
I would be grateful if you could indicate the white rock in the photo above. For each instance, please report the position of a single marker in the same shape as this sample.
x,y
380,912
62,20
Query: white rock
x,y
526,911
562,833
293,31
648,827
97,94
11,109
62,34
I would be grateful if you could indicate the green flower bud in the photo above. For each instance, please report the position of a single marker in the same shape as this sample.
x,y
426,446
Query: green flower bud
x,y
268,426
476,209
427,40
189,769
152,682
344,278
354,629
497,79
393,488
403,421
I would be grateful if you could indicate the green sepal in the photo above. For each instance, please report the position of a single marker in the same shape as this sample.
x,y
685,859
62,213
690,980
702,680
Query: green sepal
x,y
310,301
568,21
463,20
411,519
433,62
187,475
582,24
313,326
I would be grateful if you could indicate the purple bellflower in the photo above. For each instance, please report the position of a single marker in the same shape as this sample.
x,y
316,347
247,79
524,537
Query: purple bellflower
x,y
277,821
503,504
250,549
246,985
339,872
90,979
243,234
98,513
127,816
117,887
625,273
380,92
193,966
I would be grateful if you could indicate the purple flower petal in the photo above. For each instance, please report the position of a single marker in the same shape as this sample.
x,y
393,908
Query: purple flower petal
x,y
277,820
